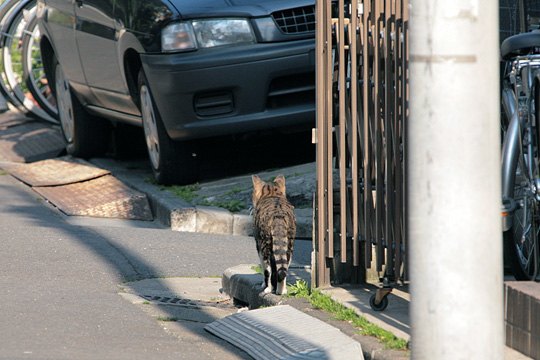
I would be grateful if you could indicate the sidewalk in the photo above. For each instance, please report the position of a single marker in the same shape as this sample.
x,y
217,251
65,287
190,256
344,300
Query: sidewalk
x,y
241,282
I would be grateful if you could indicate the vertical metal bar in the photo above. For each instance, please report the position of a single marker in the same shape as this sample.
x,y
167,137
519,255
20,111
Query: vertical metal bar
x,y
405,124
367,139
321,104
342,88
388,186
398,214
354,130
329,126
522,16
379,182
320,145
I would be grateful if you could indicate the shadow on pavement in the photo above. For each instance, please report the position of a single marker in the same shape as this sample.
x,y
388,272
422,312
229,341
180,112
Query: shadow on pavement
x,y
126,263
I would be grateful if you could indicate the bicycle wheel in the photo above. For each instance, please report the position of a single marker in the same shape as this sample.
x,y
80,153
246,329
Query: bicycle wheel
x,y
33,70
12,58
521,240
7,8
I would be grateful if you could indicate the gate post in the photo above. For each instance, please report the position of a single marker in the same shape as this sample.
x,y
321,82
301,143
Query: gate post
x,y
455,241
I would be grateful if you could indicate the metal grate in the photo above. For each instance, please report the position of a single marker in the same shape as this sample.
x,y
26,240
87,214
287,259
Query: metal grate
x,y
171,300
295,21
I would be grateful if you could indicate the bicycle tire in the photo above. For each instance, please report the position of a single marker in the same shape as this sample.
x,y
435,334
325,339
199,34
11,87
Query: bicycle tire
x,y
12,55
6,10
33,70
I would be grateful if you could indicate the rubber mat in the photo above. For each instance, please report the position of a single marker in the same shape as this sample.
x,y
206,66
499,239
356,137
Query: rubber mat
x,y
30,142
101,197
282,332
52,172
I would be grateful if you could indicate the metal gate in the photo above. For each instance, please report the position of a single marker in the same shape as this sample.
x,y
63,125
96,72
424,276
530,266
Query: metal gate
x,y
362,95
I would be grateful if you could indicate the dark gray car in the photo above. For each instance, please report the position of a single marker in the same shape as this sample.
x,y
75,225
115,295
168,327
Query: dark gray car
x,y
182,69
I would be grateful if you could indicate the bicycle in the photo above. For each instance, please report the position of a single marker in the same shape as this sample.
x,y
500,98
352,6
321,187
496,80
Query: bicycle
x,y
22,78
520,122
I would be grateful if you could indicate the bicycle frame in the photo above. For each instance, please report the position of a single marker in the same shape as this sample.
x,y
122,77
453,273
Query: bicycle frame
x,y
521,66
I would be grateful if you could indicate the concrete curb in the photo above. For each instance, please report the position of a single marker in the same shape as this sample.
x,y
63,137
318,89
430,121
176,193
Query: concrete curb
x,y
243,284
172,211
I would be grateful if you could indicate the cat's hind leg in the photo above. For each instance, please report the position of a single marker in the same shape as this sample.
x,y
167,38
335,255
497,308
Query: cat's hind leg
x,y
281,288
268,278
267,275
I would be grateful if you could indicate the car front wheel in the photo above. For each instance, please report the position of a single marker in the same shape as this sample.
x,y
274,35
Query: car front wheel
x,y
85,135
172,163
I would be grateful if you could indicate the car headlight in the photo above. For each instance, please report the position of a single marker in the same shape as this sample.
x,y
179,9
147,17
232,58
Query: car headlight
x,y
178,36
205,34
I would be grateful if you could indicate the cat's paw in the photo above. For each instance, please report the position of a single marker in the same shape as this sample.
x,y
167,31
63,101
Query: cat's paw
x,y
281,288
268,290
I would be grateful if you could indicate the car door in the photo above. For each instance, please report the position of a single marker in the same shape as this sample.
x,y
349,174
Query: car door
x,y
60,18
97,43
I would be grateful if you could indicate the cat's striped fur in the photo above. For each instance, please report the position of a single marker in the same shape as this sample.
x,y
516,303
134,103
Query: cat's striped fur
x,y
275,229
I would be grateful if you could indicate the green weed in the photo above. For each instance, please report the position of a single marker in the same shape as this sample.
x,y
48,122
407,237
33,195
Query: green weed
x,y
186,192
257,269
324,302
231,205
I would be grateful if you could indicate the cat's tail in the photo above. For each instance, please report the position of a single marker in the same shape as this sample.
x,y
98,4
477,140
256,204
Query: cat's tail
x,y
280,255
280,245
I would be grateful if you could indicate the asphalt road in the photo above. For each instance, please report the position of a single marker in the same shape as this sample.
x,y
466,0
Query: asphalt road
x,y
60,278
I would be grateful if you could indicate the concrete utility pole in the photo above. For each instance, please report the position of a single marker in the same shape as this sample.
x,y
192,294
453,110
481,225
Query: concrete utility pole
x,y
454,181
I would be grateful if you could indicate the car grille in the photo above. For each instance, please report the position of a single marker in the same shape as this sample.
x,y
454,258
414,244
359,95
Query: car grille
x,y
295,21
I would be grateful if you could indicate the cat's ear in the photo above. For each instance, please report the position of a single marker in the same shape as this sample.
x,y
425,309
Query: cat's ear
x,y
279,181
257,188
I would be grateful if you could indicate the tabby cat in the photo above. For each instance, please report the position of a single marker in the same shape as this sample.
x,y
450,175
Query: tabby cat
x,y
275,229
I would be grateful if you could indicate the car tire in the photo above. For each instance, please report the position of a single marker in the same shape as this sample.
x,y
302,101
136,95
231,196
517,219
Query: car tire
x,y
172,162
86,135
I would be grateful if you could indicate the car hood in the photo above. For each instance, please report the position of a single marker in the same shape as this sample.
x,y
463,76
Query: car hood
x,y
244,8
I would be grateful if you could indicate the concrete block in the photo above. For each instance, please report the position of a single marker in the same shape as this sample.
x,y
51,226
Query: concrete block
x,y
184,219
202,219
244,284
242,225
214,220
522,306
521,340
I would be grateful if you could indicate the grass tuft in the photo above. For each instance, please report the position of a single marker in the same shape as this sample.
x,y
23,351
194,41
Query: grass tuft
x,y
231,205
186,192
257,269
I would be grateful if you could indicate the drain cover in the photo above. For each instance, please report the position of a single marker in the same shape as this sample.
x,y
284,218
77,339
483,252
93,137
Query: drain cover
x,y
30,142
61,171
172,301
101,197
282,332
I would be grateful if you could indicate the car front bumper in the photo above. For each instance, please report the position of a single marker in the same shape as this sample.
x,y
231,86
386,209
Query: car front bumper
x,y
235,89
